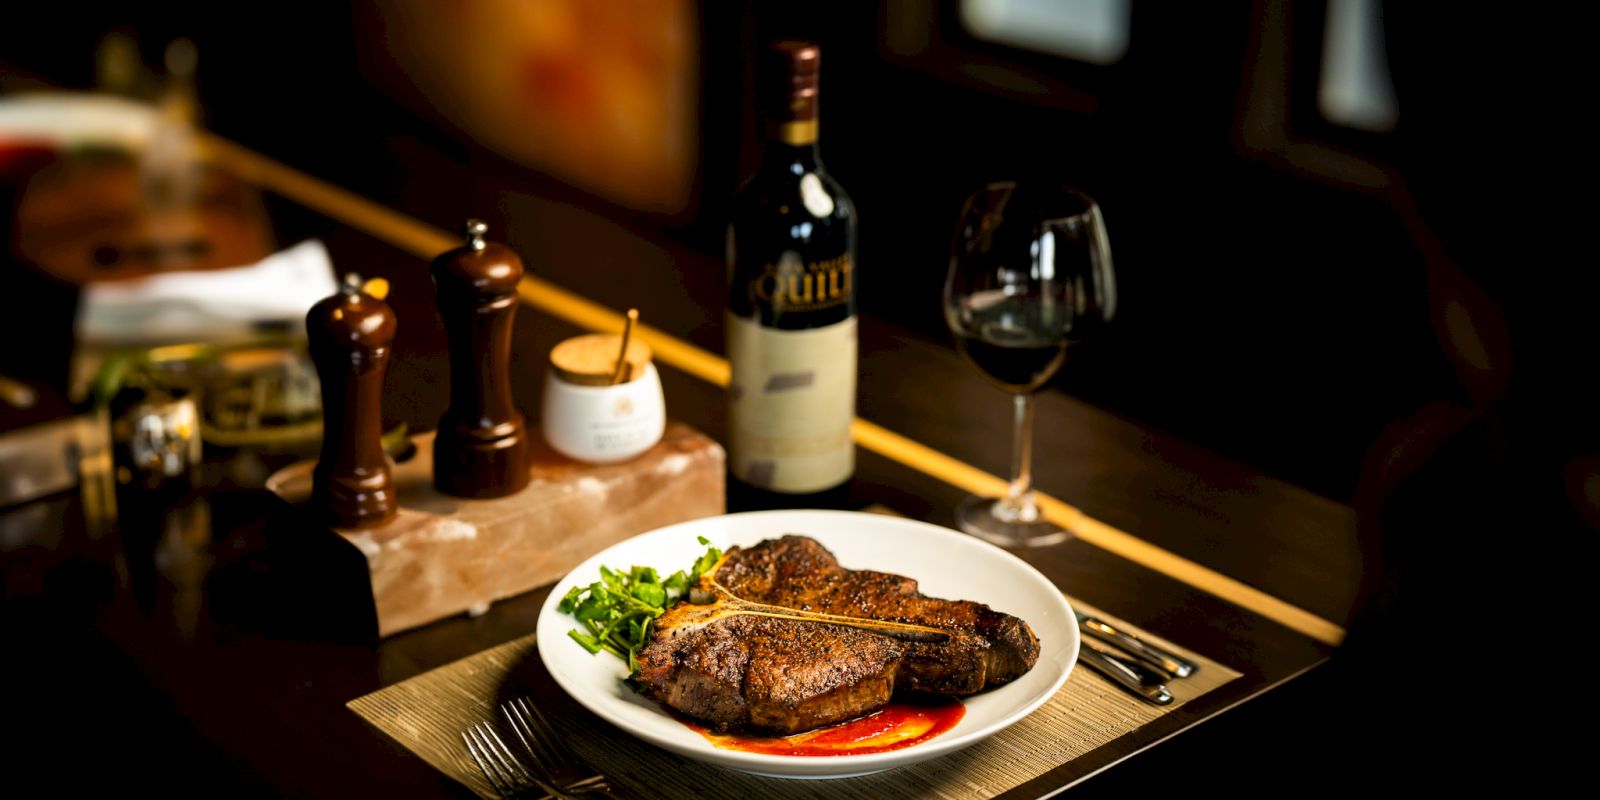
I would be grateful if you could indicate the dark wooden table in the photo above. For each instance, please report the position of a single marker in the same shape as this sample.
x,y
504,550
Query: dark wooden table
x,y
206,656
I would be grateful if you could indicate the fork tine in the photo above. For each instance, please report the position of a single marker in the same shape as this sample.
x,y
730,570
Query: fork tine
x,y
556,743
472,750
550,752
526,780
521,780
530,741
534,736
489,772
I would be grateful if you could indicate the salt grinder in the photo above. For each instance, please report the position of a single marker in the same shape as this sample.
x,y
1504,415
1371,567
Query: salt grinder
x,y
481,449
349,336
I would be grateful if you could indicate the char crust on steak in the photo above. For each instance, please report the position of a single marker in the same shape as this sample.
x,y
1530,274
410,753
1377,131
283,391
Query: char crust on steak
x,y
753,671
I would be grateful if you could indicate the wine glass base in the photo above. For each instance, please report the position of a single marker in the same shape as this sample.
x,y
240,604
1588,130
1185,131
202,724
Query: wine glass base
x,y
976,516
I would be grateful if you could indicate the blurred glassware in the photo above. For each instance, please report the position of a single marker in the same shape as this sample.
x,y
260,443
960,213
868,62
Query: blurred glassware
x,y
260,395
117,69
155,432
263,394
171,171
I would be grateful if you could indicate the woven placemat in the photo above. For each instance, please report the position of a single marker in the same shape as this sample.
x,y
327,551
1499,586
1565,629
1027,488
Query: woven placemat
x,y
427,713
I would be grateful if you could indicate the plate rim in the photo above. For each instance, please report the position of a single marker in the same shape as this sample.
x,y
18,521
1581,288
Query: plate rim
x,y
798,766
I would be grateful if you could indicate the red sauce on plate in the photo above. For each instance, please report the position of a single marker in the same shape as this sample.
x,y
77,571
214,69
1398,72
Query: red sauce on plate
x,y
898,725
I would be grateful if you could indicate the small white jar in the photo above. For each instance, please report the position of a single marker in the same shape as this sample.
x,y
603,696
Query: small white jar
x,y
604,424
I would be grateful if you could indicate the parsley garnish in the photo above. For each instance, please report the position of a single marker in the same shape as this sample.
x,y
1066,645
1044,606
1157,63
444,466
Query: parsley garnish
x,y
617,609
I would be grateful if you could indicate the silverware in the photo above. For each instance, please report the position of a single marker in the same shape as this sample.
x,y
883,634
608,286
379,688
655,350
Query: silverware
x,y
1171,663
1132,675
549,751
508,776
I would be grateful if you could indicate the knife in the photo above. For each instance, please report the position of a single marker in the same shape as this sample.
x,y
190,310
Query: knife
x,y
1172,664
1133,676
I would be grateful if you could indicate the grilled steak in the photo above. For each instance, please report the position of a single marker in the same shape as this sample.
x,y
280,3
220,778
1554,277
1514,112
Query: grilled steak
x,y
741,664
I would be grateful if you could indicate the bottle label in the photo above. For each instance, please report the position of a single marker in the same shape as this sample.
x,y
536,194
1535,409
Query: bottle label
x,y
793,284
791,403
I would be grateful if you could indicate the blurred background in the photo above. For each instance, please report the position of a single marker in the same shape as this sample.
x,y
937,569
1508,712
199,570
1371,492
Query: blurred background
x,y
1345,231
1317,208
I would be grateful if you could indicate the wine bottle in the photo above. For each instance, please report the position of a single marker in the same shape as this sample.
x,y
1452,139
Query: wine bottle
x,y
791,315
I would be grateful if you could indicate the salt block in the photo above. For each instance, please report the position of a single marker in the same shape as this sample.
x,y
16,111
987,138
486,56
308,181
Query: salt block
x,y
442,555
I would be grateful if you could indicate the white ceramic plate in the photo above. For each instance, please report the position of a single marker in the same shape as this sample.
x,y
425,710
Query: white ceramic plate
x,y
945,563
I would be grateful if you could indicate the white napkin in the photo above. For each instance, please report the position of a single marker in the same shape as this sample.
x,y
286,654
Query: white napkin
x,y
211,305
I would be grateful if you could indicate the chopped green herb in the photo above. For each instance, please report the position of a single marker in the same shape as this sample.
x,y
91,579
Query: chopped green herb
x,y
616,610
589,642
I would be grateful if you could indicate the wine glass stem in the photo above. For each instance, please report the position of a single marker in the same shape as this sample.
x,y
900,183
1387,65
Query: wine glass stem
x,y
1018,505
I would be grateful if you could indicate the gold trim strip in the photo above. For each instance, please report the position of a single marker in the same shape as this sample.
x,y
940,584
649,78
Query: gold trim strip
x,y
965,476
426,241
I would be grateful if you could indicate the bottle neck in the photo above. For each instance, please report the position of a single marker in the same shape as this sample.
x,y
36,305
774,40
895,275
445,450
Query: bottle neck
x,y
791,146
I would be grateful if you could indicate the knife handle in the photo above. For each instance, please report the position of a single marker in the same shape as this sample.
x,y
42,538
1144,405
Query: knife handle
x,y
1168,662
1132,676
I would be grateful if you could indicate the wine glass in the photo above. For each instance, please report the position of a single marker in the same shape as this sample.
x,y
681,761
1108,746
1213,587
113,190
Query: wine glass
x,y
1030,273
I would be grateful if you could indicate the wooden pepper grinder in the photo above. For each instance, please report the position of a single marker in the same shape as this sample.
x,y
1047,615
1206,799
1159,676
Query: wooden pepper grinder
x,y
349,336
481,449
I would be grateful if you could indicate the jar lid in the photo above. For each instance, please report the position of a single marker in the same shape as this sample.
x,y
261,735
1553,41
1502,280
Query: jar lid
x,y
591,360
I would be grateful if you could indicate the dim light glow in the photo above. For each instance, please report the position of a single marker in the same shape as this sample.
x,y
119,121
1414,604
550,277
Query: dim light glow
x,y
1094,31
1356,90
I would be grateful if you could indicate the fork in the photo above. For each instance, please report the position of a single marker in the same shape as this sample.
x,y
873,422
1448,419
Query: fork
x,y
507,776
549,751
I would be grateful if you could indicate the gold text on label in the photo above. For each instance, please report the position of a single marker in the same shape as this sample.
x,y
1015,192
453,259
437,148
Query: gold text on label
x,y
796,286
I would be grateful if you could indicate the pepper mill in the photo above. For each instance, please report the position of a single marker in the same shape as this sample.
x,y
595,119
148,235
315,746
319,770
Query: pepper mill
x,y
349,336
481,449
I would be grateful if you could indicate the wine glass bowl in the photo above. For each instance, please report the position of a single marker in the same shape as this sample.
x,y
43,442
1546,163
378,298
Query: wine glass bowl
x,y
1030,273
